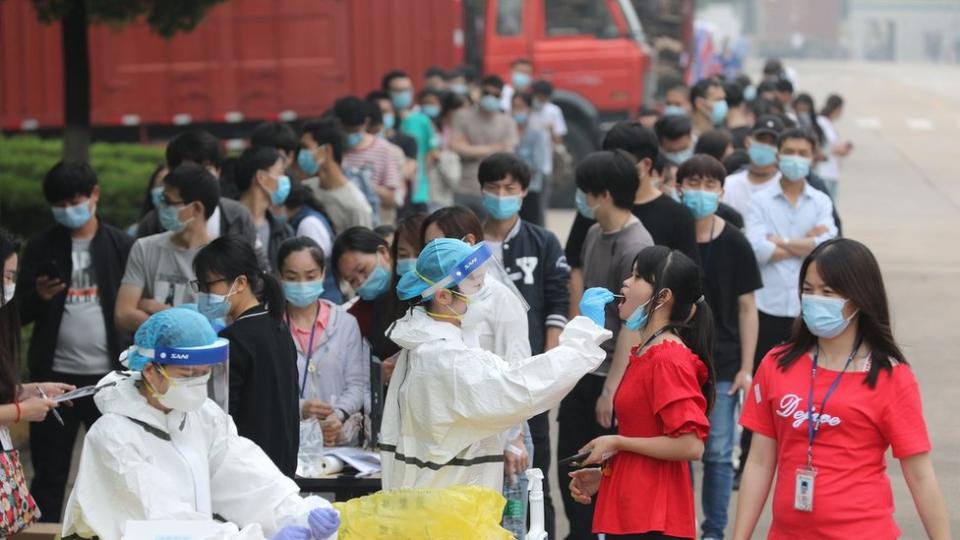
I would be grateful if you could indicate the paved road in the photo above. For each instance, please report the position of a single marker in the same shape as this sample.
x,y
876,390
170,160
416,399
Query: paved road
x,y
900,195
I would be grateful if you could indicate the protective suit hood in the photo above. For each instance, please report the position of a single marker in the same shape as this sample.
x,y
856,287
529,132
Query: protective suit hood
x,y
125,399
417,328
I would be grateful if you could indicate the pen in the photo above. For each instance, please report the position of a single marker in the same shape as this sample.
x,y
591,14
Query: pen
x,y
56,414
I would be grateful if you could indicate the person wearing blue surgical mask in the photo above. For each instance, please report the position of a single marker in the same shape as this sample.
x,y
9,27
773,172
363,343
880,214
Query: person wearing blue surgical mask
x,y
709,105
786,222
521,78
479,132
332,359
416,124
364,262
675,134
263,357
762,172
368,161
535,150
67,288
731,276
263,185
158,270
853,398
151,199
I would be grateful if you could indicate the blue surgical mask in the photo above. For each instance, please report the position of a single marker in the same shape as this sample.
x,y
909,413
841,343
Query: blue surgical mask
x,y
794,168
762,154
701,203
73,217
307,162
170,218
389,120
354,139
156,196
490,103
750,93
502,207
431,110
376,284
520,118
402,99
302,293
584,208
824,315
214,306
638,319
283,190
718,115
674,110
679,156
406,265
520,80
459,89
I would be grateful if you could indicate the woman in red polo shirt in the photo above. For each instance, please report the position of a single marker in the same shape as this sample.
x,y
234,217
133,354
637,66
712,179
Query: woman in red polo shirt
x,y
842,369
645,490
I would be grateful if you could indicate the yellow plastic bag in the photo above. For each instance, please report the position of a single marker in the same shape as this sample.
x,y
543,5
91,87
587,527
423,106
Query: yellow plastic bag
x,y
454,513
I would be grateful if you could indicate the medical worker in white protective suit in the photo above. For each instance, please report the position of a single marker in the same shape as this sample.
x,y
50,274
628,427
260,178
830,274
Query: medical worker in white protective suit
x,y
164,451
448,402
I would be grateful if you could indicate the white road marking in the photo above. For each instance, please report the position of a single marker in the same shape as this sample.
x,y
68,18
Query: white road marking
x,y
869,122
919,124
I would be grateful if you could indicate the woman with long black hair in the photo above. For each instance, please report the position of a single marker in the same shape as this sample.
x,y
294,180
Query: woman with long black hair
x,y
826,406
661,406
263,357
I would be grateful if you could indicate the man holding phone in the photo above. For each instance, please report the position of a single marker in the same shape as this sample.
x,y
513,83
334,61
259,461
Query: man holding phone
x,y
67,287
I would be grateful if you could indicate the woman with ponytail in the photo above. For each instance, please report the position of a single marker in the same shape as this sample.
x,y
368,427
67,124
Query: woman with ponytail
x,y
661,405
263,356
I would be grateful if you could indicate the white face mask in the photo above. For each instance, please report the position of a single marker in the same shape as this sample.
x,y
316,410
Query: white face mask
x,y
8,291
187,394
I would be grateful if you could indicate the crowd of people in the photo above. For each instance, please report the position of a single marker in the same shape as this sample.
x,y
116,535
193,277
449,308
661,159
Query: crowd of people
x,y
404,232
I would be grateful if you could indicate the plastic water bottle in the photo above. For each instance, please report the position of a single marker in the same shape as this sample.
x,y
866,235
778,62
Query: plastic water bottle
x,y
535,485
514,513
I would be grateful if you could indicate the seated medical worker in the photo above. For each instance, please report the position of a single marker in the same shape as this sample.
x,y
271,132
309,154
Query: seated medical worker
x,y
164,451
449,403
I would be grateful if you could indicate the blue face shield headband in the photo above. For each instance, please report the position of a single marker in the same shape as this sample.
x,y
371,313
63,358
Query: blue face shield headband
x,y
460,272
217,352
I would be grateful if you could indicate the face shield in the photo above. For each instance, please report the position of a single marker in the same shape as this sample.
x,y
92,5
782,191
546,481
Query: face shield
x,y
193,374
472,274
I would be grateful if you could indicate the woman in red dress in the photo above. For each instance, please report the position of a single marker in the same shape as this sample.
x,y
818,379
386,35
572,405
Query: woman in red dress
x,y
644,489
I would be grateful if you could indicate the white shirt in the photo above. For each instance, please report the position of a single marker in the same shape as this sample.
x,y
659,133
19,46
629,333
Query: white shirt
x,y
550,119
738,189
772,213
213,224
312,227
829,169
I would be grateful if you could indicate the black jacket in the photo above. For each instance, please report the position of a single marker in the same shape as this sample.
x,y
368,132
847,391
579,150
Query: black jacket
x,y
264,400
108,251
535,262
278,233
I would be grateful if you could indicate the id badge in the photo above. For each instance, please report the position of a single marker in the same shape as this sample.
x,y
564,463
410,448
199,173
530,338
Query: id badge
x,y
803,489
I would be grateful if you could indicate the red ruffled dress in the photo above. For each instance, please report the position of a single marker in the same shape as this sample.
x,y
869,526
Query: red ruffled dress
x,y
659,395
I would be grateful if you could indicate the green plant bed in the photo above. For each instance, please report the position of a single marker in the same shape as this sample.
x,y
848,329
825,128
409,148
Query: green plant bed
x,y
121,168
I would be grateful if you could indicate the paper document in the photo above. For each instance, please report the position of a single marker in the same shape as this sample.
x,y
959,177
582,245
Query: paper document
x,y
86,391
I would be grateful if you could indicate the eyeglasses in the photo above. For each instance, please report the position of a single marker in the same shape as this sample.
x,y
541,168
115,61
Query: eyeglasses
x,y
196,284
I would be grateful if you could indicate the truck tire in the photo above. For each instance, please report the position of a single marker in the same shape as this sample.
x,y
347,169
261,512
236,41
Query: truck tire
x,y
578,142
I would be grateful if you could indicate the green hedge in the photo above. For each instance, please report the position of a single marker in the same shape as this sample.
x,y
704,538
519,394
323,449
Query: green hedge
x,y
122,170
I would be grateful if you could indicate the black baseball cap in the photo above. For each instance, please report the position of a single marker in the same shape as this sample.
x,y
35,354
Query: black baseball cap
x,y
769,124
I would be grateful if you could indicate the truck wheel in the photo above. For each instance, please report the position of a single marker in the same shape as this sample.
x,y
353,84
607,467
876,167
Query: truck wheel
x,y
578,143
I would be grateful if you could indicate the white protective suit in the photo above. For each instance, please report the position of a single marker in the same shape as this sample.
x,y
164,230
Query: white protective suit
x,y
448,401
141,464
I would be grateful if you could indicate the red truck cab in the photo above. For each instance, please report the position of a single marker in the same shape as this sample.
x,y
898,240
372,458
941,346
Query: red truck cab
x,y
593,51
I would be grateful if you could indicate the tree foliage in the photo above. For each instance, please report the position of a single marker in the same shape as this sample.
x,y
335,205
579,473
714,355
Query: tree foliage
x,y
165,17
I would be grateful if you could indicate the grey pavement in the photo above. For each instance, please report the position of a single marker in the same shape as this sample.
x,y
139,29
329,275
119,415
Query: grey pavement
x,y
900,195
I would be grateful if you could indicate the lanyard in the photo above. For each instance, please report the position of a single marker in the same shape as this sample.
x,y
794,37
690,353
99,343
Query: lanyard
x,y
813,426
309,352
